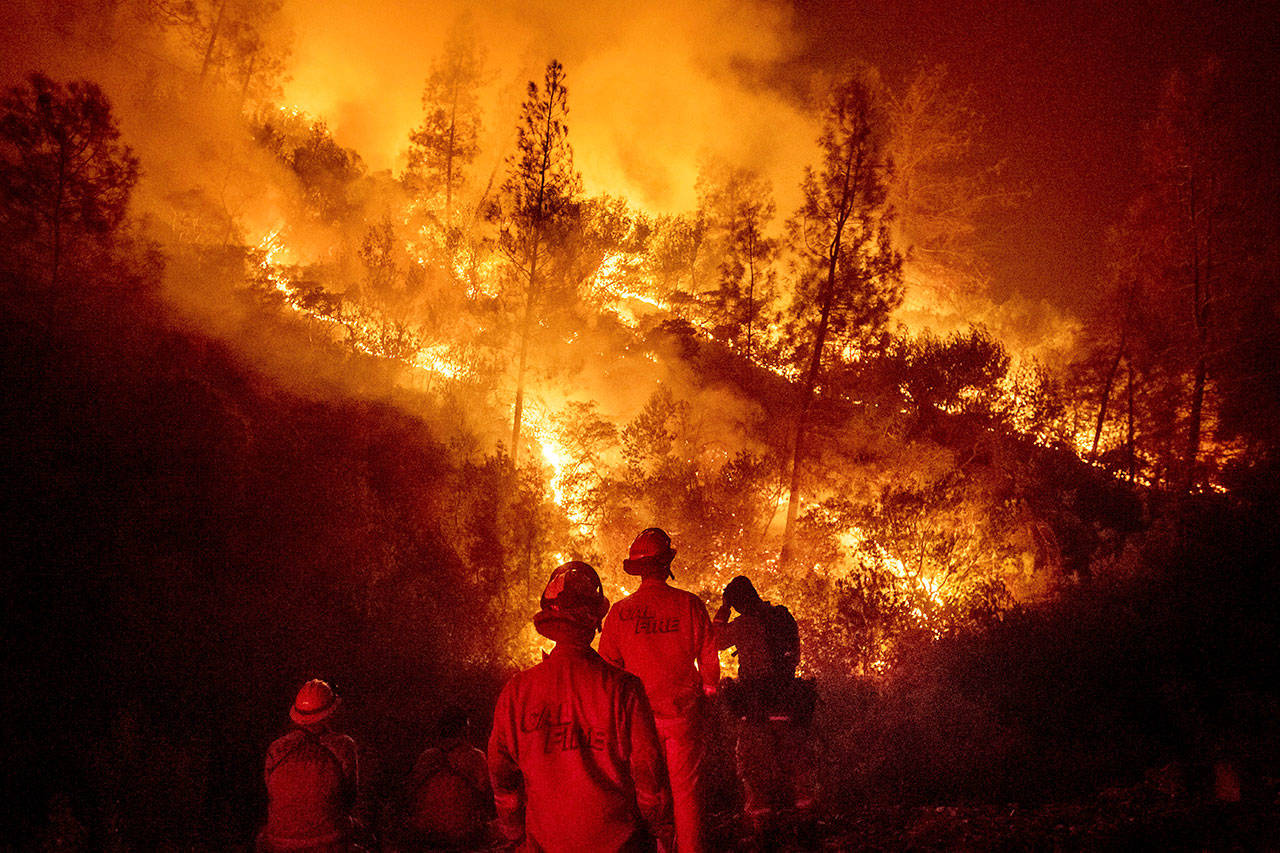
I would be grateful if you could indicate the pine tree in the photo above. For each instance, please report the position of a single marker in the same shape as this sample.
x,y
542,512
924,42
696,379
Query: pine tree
x,y
849,278
539,197
64,175
448,140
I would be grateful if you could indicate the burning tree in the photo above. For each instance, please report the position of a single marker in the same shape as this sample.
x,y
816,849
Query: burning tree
x,y
445,145
738,208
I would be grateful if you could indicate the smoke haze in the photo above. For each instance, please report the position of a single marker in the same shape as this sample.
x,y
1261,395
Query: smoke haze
x,y
653,87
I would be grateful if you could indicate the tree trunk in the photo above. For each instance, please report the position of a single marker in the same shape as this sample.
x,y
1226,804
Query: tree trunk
x,y
1200,308
1132,452
851,165
1106,398
248,77
527,326
56,258
213,40
797,449
448,167
526,329
751,291
1194,421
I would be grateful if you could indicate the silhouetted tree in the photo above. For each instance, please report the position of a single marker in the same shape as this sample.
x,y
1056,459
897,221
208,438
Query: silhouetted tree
x,y
325,170
848,276
64,175
1186,265
447,141
232,40
942,189
538,196
738,206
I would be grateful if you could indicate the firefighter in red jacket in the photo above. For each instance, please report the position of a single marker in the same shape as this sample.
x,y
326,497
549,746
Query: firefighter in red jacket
x,y
574,757
663,635
774,708
312,778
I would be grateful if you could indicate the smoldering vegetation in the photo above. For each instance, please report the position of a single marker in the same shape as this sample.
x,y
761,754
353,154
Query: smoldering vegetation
x,y
258,428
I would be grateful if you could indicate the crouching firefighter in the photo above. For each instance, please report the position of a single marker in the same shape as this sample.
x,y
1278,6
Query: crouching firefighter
x,y
312,778
774,709
449,800
663,635
574,756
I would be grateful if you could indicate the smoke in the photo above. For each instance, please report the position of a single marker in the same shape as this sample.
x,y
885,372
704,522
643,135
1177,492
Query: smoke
x,y
654,88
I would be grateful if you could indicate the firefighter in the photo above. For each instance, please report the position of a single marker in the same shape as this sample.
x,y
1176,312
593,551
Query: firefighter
x,y
574,757
449,798
663,635
774,708
312,777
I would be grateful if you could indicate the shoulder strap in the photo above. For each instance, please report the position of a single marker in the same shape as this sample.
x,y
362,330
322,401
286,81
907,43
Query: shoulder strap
x,y
308,737
445,766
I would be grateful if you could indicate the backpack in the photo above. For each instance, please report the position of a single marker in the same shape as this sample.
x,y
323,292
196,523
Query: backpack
x,y
782,636
445,806
307,790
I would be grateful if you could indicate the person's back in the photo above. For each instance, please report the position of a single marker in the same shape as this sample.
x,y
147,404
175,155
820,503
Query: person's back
x,y
574,755
449,795
774,752
659,632
663,635
311,777
567,723
306,791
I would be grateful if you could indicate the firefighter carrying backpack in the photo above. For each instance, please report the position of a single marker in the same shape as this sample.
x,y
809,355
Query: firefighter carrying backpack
x,y
780,696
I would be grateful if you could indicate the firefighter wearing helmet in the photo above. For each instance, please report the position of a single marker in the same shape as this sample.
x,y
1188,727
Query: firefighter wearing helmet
x,y
312,778
663,635
774,709
574,756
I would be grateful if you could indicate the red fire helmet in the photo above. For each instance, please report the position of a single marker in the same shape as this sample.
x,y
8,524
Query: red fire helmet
x,y
315,702
574,594
651,551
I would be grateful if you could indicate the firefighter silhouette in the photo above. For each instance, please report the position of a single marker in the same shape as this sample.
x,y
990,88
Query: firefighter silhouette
x,y
312,777
773,708
574,756
663,635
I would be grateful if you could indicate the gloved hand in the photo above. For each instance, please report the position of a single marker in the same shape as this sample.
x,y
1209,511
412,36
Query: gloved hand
x,y
722,615
666,837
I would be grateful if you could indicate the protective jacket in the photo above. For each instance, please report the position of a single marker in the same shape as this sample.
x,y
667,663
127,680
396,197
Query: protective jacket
x,y
659,633
312,779
449,794
574,757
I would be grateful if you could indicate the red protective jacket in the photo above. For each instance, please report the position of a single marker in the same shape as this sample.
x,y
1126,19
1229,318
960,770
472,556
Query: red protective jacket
x,y
574,756
311,779
659,633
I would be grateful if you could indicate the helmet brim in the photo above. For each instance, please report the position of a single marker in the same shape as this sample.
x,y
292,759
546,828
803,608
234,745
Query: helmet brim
x,y
306,718
650,564
551,623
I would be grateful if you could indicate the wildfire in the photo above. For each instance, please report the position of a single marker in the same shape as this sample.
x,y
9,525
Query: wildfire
x,y
365,333
565,491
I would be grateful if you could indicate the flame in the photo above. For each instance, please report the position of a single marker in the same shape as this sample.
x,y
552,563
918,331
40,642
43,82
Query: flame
x,y
276,265
570,497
